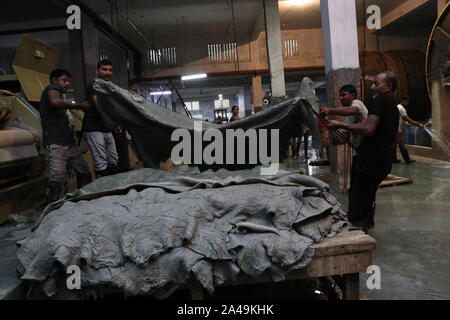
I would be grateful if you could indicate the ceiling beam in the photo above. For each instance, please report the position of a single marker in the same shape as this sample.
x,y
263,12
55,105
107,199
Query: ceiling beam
x,y
441,5
259,25
401,11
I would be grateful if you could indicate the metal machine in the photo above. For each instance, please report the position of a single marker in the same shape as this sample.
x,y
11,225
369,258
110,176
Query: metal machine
x,y
23,177
220,115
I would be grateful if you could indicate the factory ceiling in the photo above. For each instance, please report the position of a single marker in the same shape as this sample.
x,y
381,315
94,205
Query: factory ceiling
x,y
163,23
156,23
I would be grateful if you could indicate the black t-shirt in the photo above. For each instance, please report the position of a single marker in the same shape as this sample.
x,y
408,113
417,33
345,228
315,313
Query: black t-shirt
x,y
375,152
56,126
92,121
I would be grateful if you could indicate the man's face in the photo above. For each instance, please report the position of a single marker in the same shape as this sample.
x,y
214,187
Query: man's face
x,y
62,82
235,111
380,86
346,98
405,103
105,73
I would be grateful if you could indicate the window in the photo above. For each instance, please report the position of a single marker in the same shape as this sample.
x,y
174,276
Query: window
x,y
222,52
221,103
192,105
164,57
291,48
197,116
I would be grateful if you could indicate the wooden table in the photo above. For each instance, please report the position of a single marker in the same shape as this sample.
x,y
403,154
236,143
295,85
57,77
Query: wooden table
x,y
347,254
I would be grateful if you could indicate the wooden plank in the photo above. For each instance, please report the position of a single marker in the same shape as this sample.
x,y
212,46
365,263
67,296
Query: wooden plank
x,y
345,243
401,11
346,255
334,265
393,180
319,267
441,6
349,285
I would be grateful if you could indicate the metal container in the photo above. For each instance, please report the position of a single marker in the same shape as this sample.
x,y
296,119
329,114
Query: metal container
x,y
409,66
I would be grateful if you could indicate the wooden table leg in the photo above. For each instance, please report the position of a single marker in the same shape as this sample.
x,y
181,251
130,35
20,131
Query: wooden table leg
x,y
350,286
197,293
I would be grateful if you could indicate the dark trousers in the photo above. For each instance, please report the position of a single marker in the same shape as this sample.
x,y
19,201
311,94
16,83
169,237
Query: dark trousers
x,y
121,141
401,146
296,143
362,194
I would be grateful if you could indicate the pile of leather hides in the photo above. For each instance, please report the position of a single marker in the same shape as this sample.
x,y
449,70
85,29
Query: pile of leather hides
x,y
150,232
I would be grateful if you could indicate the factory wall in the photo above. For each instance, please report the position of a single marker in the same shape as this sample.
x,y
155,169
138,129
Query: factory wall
x,y
253,54
398,38
76,48
97,45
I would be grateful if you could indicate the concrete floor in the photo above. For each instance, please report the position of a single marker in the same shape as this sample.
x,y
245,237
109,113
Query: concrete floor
x,y
10,233
412,232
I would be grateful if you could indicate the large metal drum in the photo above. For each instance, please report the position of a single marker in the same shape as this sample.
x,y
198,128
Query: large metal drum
x,y
409,66
438,53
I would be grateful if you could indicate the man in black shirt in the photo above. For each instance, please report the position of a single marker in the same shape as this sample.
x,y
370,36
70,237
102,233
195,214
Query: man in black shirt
x,y
99,138
58,135
372,162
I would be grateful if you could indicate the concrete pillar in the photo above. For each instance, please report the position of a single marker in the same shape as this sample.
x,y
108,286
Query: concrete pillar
x,y
441,5
241,102
248,100
274,48
340,37
258,93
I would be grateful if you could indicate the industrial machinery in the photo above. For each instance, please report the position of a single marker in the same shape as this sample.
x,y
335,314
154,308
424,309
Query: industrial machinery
x,y
409,67
220,115
23,177
438,53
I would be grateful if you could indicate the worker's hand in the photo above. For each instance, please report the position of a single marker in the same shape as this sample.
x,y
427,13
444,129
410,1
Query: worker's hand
x,y
324,111
85,105
333,124
421,125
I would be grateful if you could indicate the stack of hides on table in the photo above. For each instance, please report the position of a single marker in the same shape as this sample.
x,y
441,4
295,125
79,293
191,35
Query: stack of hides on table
x,y
148,232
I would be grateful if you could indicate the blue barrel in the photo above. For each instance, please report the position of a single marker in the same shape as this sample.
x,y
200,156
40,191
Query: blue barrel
x,y
422,138
409,135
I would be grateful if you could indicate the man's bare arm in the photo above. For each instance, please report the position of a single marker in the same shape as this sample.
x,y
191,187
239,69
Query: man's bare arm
x,y
341,111
411,121
56,101
365,128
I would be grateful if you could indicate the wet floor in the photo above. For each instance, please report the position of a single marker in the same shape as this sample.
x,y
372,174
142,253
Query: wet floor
x,y
413,234
10,233
412,231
